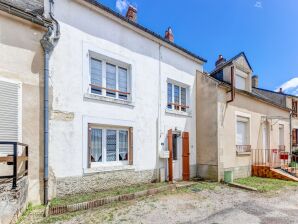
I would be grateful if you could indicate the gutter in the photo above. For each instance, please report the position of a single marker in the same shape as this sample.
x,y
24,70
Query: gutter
x,y
48,42
36,19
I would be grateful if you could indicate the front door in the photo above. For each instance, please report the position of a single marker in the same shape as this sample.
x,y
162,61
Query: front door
x,y
177,156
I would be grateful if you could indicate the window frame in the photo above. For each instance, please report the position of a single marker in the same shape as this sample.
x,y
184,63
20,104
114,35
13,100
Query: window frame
x,y
104,161
237,77
119,65
173,106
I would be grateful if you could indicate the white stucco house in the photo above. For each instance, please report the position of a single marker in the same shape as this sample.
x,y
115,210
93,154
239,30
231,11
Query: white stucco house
x,y
119,94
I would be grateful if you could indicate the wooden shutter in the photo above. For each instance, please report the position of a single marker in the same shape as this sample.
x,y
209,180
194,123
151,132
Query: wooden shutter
x,y
294,136
9,114
294,108
130,149
170,148
185,156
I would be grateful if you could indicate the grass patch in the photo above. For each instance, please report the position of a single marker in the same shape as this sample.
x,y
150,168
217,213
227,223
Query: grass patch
x,y
29,210
265,184
77,198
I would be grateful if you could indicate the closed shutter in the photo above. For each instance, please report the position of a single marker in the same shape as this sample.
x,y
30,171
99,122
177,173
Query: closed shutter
x,y
9,119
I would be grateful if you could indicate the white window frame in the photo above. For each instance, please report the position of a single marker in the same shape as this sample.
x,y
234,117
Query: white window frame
x,y
237,76
281,126
180,85
117,64
239,114
104,150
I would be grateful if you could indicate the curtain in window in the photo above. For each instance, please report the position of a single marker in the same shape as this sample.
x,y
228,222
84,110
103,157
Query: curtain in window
x,y
123,145
122,83
111,79
176,96
111,145
169,95
183,98
96,145
96,75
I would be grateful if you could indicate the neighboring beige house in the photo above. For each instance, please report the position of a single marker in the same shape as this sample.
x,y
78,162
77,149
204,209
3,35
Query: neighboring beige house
x,y
232,122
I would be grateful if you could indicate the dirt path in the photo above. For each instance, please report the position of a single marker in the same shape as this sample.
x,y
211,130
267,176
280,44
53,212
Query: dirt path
x,y
223,205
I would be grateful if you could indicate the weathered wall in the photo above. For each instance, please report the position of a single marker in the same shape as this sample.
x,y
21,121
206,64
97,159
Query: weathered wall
x,y
95,32
13,202
207,123
22,61
257,112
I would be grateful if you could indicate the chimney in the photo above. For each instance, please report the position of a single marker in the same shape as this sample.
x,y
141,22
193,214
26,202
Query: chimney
x,y
255,81
220,61
132,13
169,35
280,90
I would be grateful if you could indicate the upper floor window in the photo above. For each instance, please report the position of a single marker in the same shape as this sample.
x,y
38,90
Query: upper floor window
x,y
294,108
240,82
109,79
177,97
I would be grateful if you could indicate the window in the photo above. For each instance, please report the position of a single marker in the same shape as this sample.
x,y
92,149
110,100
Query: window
x,y
177,97
295,108
242,131
240,82
281,134
108,145
175,145
109,79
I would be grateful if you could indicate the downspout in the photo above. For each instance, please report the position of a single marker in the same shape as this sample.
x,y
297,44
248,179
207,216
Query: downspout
x,y
48,43
291,132
232,91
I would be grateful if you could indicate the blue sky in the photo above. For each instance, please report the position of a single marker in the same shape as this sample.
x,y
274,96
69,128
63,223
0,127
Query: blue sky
x,y
266,30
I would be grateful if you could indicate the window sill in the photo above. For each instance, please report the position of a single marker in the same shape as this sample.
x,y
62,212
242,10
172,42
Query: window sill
x,y
243,153
179,113
90,96
104,169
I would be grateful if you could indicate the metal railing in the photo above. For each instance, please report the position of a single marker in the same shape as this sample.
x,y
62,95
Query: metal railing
x,y
15,160
243,149
276,158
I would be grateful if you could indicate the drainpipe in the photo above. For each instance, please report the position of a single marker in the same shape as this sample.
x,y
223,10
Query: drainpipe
x,y
291,132
48,43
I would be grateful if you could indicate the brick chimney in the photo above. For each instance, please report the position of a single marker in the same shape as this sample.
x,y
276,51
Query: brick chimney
x,y
132,13
169,35
220,60
255,81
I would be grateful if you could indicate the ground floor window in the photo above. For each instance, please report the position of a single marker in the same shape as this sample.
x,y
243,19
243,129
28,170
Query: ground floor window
x,y
242,134
108,145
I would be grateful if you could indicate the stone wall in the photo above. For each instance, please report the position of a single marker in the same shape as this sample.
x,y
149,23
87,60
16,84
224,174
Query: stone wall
x,y
13,202
103,181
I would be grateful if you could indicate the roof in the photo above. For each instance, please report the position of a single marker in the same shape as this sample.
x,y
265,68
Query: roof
x,y
252,94
34,7
278,93
105,8
230,61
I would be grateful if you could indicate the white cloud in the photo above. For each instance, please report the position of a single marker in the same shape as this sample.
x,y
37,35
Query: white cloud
x,y
290,87
258,4
121,5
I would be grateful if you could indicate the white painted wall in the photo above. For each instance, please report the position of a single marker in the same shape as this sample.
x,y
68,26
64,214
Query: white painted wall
x,y
84,30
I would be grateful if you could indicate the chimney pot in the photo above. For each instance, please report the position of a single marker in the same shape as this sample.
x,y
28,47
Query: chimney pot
x,y
220,60
131,13
255,81
169,35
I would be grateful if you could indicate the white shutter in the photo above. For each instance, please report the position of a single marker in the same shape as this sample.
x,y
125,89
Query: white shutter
x,y
9,119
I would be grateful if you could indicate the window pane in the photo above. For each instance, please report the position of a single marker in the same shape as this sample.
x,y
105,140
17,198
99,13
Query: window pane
x,y
111,80
240,82
122,83
183,98
241,133
96,75
176,97
123,145
111,145
170,95
96,145
175,149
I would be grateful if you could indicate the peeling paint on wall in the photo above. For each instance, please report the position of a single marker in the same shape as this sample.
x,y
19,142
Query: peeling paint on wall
x,y
62,115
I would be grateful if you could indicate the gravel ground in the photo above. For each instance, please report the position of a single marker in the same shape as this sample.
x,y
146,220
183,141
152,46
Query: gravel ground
x,y
224,205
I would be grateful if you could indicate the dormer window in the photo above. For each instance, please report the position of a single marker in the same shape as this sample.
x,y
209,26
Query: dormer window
x,y
240,82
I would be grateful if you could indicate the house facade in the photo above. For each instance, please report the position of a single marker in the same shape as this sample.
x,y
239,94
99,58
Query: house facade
x,y
119,91
239,121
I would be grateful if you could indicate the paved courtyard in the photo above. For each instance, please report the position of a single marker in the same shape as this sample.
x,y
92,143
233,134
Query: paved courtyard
x,y
222,205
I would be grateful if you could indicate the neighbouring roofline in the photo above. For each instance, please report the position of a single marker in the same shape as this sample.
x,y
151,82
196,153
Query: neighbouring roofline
x,y
279,93
226,85
230,61
144,29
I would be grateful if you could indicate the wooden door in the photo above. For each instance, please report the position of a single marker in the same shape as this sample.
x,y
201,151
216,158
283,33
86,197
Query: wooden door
x,y
185,155
170,148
